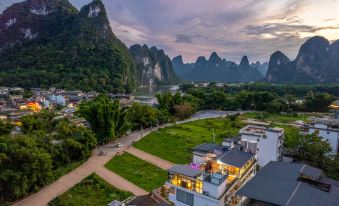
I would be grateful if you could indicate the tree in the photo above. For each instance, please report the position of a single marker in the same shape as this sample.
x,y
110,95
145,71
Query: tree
x,y
44,120
333,168
107,119
26,168
310,148
318,102
167,101
315,150
5,128
184,110
142,115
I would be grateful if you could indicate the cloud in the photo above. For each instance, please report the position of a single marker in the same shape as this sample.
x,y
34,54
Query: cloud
x,y
183,38
232,28
130,34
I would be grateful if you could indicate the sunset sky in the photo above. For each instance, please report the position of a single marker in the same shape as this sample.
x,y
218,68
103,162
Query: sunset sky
x,y
232,28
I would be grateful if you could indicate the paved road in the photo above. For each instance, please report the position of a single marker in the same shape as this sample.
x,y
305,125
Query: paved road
x,y
96,164
161,163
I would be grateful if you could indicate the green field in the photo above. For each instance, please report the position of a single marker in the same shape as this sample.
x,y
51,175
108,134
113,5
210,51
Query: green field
x,y
176,142
137,171
92,191
280,118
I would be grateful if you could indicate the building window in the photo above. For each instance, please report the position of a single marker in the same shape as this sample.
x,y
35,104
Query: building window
x,y
185,197
186,182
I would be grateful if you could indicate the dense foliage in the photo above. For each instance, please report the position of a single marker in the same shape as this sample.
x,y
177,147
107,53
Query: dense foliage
x,y
297,90
313,150
106,117
144,116
5,128
177,105
72,51
222,98
28,161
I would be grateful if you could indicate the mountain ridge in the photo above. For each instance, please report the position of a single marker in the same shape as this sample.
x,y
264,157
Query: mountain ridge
x,y
153,66
217,69
57,45
317,62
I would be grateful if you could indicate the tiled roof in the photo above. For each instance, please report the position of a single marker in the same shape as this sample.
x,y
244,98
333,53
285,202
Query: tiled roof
x,y
277,183
185,170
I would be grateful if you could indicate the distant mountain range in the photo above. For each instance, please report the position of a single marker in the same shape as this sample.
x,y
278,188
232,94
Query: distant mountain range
x,y
153,66
219,70
46,43
316,62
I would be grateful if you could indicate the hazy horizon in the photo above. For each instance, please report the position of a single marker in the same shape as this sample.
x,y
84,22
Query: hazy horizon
x,y
232,29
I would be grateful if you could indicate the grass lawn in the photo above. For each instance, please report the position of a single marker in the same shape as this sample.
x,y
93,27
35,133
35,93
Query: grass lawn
x,y
281,118
92,191
137,171
175,143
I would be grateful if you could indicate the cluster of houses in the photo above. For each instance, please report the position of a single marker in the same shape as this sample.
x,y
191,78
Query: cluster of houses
x,y
14,102
249,170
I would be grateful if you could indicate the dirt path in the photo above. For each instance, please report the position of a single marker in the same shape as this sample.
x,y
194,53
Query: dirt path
x,y
66,182
96,164
119,182
163,164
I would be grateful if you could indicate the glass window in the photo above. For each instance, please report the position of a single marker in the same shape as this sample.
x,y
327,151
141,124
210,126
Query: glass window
x,y
185,197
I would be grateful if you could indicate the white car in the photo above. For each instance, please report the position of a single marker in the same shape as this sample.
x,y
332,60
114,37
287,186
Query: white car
x,y
120,145
299,122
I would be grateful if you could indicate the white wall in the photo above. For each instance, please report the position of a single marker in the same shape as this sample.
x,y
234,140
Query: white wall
x,y
199,200
268,147
198,159
330,136
214,190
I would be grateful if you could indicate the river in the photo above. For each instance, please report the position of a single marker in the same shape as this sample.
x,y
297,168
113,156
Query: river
x,y
147,93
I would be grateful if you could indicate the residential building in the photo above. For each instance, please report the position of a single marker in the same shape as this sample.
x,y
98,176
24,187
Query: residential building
x,y
4,90
327,128
266,142
292,184
74,96
33,106
214,176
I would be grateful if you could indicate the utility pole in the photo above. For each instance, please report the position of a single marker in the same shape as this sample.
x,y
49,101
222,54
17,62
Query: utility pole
x,y
141,131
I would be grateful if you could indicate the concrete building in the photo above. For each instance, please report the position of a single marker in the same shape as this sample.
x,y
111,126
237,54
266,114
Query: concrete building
x,y
265,142
327,128
74,96
212,179
292,184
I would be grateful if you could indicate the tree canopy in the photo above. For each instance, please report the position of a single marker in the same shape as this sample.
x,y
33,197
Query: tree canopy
x,y
106,117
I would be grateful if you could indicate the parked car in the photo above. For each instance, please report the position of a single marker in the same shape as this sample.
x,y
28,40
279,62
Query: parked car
x,y
119,145
299,122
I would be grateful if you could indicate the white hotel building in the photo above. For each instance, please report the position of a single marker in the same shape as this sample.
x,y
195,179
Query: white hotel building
x,y
213,178
266,142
